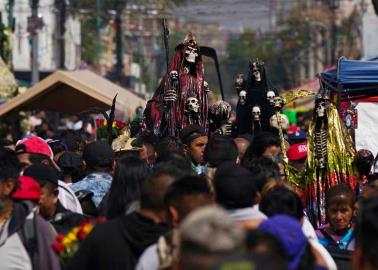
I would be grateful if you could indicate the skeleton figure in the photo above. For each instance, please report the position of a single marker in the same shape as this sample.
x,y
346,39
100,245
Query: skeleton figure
x,y
239,81
256,72
278,103
242,97
170,94
321,135
219,114
191,54
270,95
256,113
192,105
206,86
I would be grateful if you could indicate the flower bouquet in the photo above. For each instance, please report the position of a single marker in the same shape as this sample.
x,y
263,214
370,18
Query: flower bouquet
x,y
102,131
67,245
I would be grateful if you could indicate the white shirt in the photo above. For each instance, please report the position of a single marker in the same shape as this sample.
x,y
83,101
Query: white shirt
x,y
149,260
68,198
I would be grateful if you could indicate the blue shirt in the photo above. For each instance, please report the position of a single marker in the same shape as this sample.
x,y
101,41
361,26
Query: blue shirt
x,y
98,183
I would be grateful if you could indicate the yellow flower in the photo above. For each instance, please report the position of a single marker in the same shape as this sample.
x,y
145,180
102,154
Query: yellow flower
x,y
66,241
72,236
75,230
87,228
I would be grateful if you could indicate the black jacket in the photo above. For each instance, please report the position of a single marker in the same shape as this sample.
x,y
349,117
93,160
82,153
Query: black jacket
x,y
64,220
117,244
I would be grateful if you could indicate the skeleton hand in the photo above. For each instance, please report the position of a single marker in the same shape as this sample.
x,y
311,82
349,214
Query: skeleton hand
x,y
170,95
226,129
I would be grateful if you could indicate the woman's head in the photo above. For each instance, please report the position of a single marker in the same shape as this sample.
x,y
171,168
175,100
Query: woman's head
x,y
127,183
339,203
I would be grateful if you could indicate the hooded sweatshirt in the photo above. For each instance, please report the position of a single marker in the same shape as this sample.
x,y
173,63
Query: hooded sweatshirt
x,y
118,243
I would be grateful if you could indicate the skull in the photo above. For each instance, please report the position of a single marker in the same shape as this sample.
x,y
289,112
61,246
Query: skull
x,y
277,102
256,113
270,95
321,109
192,104
191,54
256,72
173,75
239,80
283,121
206,86
243,97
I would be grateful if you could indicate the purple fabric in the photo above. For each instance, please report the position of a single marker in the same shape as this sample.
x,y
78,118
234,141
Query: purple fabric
x,y
288,231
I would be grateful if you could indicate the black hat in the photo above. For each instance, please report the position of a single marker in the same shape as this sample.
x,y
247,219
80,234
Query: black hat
x,y
98,154
70,160
42,173
191,132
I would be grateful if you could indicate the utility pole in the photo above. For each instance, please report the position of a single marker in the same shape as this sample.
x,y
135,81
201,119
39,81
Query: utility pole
x,y
61,15
98,26
34,52
333,5
10,14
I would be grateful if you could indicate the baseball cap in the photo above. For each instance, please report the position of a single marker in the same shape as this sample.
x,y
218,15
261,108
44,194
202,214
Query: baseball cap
x,y
98,154
298,135
42,173
297,151
28,189
34,145
191,132
292,129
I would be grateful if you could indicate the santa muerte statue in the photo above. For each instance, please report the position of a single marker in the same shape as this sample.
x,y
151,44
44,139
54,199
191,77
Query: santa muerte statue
x,y
180,99
330,159
256,95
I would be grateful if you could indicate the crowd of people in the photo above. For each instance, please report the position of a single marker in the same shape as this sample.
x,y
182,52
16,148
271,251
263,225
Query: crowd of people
x,y
183,187
187,202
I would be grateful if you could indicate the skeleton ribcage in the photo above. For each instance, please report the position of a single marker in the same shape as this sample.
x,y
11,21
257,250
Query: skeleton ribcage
x,y
321,147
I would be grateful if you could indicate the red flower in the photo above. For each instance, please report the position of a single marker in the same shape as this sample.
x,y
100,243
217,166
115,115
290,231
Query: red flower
x,y
81,235
120,124
100,122
84,222
58,247
59,237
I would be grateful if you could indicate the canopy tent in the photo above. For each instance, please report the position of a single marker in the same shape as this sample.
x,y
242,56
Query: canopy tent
x,y
73,91
304,104
352,79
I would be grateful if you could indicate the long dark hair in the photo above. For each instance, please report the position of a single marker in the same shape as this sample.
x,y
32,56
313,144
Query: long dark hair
x,y
129,175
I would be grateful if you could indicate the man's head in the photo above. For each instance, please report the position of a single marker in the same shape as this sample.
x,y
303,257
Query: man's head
x,y
9,172
33,150
168,145
154,188
147,145
234,187
195,140
207,235
185,195
48,181
281,200
365,255
297,154
220,149
98,157
265,144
